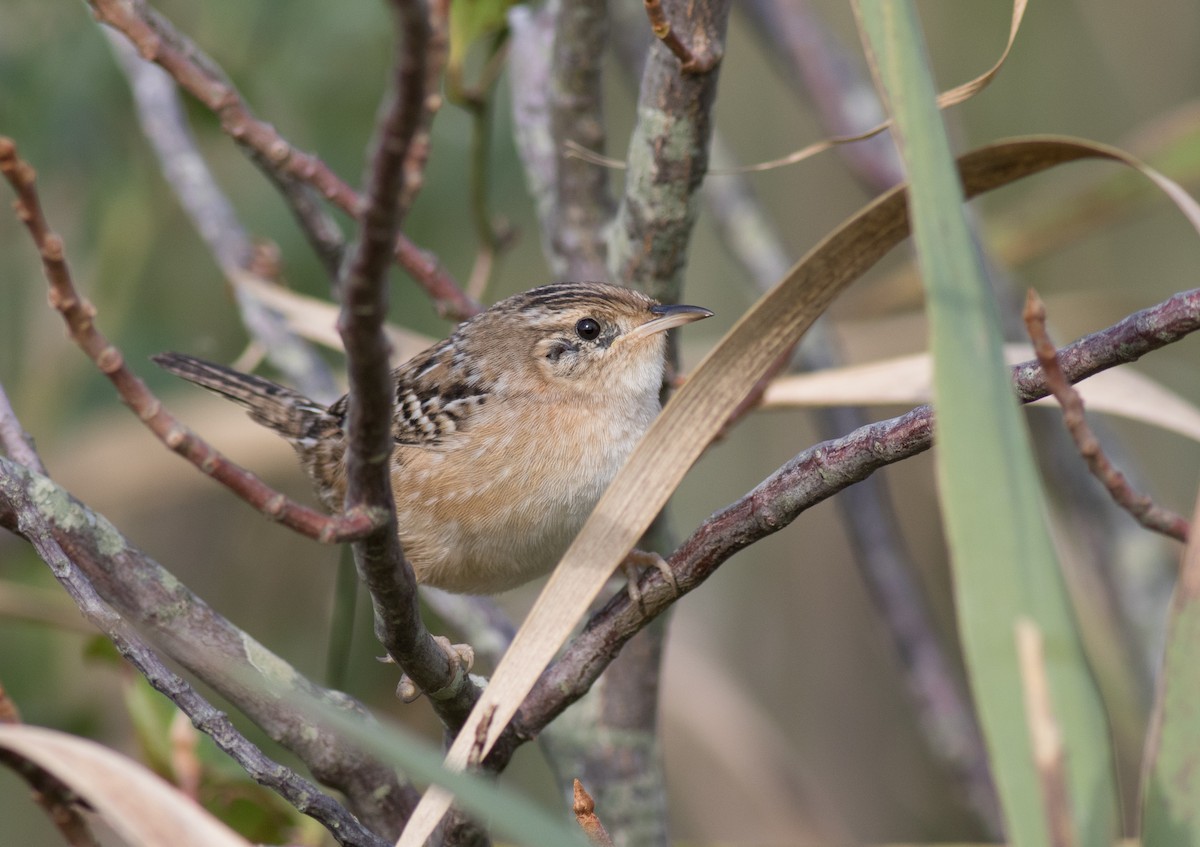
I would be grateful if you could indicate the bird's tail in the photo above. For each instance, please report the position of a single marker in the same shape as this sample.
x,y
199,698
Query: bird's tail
x,y
288,412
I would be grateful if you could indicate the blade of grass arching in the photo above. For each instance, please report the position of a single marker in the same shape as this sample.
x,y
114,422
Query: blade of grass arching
x,y
1004,562
1170,791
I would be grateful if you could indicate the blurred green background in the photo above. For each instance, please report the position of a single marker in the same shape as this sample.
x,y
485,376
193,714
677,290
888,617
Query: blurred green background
x,y
781,651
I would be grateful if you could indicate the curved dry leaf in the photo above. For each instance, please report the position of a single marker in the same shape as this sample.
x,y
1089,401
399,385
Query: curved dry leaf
x,y
699,411
952,97
141,807
909,379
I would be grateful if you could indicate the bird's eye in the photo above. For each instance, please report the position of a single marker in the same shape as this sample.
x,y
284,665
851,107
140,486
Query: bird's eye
x,y
588,329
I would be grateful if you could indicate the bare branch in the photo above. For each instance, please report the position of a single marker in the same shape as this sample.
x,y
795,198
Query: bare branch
x,y
668,157
157,41
583,204
28,519
396,170
1143,509
79,315
555,74
690,62
216,651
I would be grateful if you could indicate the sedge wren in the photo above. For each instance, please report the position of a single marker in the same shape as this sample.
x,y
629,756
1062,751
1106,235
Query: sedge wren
x,y
506,433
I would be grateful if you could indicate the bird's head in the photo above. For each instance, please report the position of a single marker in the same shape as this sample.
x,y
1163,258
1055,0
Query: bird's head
x,y
587,338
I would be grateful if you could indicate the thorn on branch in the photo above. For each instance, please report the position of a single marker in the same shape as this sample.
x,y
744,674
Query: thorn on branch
x,y
690,63
1140,506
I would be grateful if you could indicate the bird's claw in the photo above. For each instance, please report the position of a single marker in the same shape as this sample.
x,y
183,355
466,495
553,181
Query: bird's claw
x,y
462,658
638,560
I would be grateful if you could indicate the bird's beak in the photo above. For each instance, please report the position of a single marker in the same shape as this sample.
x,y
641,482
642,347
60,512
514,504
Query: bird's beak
x,y
666,317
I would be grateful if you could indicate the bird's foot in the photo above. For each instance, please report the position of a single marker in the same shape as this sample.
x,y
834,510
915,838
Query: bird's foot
x,y
462,657
637,561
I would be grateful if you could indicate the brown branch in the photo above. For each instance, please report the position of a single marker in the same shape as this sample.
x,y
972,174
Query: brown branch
x,y
79,315
1140,506
810,478
157,41
690,63
397,162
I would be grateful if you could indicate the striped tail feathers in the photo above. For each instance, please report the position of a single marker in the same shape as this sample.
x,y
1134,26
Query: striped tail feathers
x,y
288,412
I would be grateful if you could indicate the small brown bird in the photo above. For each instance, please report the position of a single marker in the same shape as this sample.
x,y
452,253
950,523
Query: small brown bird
x,y
506,433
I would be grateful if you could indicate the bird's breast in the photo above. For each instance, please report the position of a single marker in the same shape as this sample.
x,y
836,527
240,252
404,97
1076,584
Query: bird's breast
x,y
502,506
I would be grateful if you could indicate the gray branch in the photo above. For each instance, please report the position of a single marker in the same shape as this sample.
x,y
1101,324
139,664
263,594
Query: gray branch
x,y
41,512
667,158
191,633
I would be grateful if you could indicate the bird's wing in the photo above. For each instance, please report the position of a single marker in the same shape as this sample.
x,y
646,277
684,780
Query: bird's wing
x,y
436,396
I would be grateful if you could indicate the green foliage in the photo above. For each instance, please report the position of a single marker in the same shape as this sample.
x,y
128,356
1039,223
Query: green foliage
x,y
1004,562
1171,810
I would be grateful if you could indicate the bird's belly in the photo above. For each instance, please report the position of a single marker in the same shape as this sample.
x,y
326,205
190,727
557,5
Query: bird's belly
x,y
494,526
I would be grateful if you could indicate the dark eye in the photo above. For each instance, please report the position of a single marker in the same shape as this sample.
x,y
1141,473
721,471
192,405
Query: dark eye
x,y
588,329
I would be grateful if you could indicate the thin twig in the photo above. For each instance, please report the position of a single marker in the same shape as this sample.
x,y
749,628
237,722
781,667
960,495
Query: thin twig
x,y
1143,509
79,315
690,63
810,478
157,41
397,160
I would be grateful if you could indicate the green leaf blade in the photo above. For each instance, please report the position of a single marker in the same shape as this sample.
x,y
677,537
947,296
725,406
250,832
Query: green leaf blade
x,y
1005,567
1171,793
